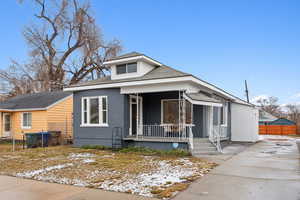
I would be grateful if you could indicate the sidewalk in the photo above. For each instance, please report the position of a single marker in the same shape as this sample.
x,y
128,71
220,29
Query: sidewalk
x,y
266,170
15,189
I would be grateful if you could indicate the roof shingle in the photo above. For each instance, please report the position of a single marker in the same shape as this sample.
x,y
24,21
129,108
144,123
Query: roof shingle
x,y
33,101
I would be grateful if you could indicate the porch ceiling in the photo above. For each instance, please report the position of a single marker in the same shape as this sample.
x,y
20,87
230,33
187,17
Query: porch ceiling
x,y
202,99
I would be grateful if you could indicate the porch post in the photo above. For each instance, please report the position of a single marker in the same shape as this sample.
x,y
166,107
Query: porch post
x,y
137,114
179,113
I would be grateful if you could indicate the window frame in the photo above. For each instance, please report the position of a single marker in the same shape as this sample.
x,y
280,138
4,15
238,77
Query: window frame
x,y
88,111
22,121
126,68
184,115
225,114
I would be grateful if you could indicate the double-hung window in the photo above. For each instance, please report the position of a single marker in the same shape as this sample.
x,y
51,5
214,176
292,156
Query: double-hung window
x,y
126,68
26,120
94,111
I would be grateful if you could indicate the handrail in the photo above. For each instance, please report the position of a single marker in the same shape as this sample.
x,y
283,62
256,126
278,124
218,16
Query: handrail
x,y
215,138
191,138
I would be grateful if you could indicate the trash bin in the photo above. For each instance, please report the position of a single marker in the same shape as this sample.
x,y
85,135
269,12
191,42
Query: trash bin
x,y
55,138
43,139
40,139
31,140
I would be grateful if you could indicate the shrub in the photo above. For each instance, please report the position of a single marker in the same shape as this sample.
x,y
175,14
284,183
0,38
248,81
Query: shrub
x,y
98,147
148,151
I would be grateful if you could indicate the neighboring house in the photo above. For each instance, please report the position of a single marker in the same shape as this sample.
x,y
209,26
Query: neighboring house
x,y
145,103
271,125
31,113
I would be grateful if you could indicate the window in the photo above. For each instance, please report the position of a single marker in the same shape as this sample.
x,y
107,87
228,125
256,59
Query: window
x,y
127,68
94,111
26,120
170,111
223,114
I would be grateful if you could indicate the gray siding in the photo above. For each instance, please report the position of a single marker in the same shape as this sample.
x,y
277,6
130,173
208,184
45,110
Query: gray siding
x,y
117,112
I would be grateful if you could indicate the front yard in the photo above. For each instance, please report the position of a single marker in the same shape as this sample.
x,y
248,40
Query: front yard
x,y
132,172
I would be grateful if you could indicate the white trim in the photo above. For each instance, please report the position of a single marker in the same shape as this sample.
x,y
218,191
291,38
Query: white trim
x,y
162,112
22,120
6,133
59,101
130,111
152,81
205,103
100,109
122,60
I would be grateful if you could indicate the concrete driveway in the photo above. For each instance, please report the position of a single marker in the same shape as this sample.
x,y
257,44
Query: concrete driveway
x,y
15,189
267,170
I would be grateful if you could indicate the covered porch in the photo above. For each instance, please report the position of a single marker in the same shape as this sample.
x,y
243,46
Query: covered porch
x,y
176,117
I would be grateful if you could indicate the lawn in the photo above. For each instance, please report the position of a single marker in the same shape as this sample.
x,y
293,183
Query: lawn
x,y
139,173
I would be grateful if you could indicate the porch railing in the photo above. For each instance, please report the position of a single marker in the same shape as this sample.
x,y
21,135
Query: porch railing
x,y
165,132
215,137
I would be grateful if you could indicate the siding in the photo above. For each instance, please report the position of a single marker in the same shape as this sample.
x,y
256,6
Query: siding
x,y
38,124
117,108
59,117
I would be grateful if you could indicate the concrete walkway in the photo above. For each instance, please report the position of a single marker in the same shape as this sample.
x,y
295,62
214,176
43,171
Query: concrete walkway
x,y
267,170
16,188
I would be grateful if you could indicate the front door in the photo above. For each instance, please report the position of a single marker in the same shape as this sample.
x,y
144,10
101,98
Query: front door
x,y
135,118
6,124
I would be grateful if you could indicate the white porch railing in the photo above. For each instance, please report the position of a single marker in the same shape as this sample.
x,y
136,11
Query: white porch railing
x,y
219,132
166,132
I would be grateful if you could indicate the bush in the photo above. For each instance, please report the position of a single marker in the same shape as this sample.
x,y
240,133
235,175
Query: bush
x,y
98,147
148,151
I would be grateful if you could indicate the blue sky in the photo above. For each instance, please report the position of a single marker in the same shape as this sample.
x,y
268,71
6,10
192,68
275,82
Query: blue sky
x,y
223,42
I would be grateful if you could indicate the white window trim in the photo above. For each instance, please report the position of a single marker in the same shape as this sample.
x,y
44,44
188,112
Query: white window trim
x,y
22,120
162,112
126,68
225,114
88,124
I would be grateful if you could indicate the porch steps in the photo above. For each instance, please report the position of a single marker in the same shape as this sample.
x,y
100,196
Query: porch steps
x,y
203,147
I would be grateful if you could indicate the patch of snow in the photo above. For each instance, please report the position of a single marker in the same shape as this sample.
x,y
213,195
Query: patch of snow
x,y
30,174
76,156
163,174
88,161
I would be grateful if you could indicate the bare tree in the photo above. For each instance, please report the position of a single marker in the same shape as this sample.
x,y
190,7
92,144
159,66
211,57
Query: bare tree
x,y
66,47
293,114
270,105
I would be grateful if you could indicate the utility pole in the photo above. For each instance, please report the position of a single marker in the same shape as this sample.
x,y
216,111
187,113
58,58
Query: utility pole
x,y
246,91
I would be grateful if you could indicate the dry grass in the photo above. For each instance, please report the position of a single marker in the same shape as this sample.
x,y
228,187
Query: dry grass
x,y
98,168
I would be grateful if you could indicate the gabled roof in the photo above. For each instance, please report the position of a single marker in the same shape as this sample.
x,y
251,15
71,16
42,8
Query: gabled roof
x,y
266,117
127,55
33,101
157,73
160,71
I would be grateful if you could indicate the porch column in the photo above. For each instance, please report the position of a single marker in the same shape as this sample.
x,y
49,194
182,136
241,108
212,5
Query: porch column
x,y
137,115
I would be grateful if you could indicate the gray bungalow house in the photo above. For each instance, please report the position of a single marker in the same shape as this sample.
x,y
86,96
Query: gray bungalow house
x,y
145,103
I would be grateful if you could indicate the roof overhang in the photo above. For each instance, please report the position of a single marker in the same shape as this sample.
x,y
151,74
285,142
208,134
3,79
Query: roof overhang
x,y
132,59
203,101
188,78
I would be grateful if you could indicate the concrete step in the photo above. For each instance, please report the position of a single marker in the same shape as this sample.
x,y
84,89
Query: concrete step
x,y
203,145
202,140
205,148
197,153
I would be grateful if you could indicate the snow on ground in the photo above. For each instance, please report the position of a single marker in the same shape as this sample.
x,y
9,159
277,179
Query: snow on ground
x,y
31,174
278,144
164,174
75,156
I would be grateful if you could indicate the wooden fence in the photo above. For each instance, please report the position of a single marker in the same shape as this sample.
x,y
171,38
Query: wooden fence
x,y
277,129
